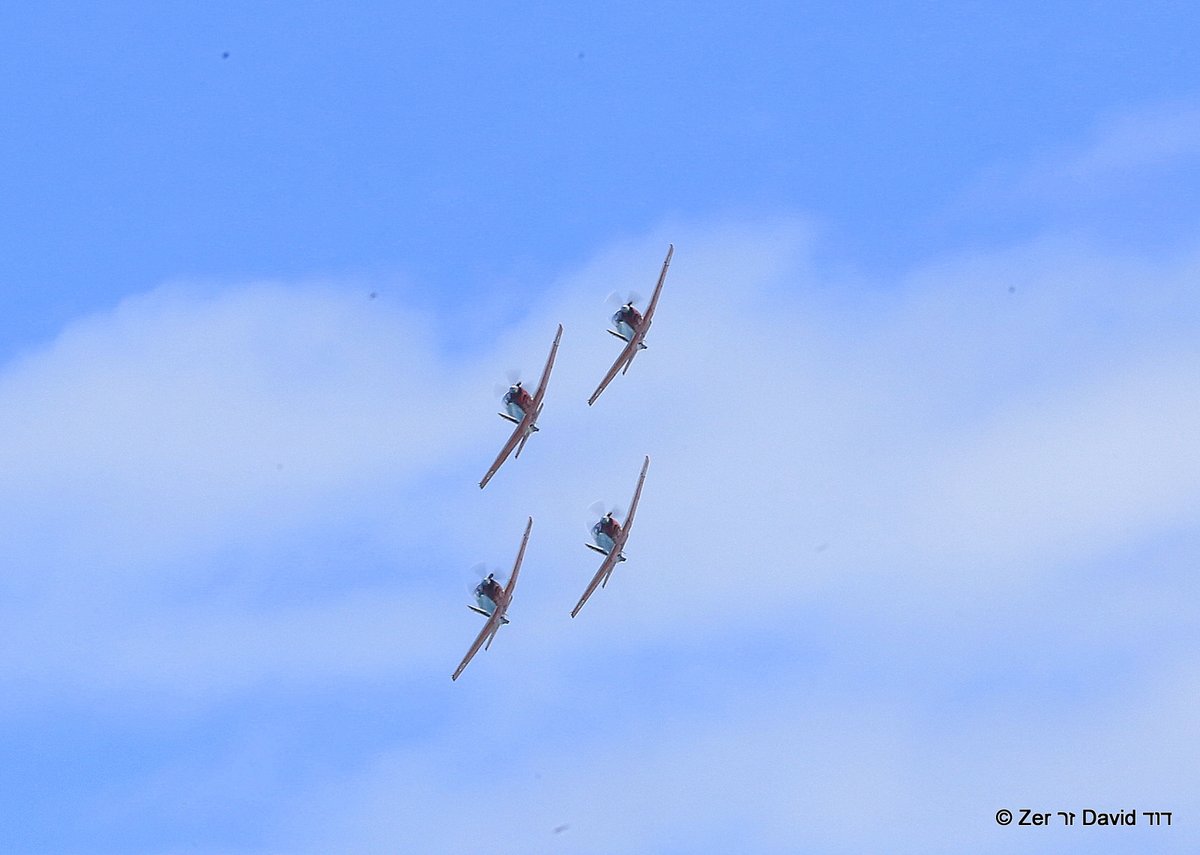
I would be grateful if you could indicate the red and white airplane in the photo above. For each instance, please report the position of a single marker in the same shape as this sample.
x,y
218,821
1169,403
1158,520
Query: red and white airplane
x,y
523,411
493,603
631,327
610,537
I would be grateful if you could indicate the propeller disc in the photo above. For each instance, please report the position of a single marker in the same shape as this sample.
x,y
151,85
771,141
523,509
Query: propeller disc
x,y
616,299
478,573
599,509
513,376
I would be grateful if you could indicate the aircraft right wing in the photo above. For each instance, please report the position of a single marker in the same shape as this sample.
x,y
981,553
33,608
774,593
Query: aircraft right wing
x,y
518,435
610,561
626,357
485,635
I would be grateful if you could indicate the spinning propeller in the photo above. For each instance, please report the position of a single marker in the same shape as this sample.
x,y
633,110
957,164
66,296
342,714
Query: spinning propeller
x,y
631,298
514,379
599,509
478,573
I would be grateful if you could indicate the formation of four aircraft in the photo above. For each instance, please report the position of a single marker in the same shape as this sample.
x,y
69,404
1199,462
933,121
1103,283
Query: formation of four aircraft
x,y
523,410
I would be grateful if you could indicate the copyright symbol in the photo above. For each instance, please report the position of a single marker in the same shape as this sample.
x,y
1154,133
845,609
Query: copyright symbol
x,y
1003,816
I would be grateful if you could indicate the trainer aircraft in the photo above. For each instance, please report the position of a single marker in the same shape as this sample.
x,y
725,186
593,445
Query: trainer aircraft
x,y
610,536
631,327
493,602
522,409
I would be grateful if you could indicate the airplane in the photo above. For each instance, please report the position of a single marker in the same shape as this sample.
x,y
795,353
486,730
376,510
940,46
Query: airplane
x,y
498,598
523,411
631,327
610,537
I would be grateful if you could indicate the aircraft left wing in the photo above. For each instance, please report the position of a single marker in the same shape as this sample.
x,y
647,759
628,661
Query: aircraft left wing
x,y
662,277
512,578
637,495
484,639
541,389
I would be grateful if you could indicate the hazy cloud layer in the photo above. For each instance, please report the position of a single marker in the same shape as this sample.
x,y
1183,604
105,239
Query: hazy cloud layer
x,y
906,548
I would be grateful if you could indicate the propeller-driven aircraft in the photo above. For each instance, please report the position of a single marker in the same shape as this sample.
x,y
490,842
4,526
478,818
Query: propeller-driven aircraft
x,y
610,537
493,603
523,410
631,327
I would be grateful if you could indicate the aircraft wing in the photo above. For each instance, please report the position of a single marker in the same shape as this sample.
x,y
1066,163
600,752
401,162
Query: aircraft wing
x,y
541,389
484,639
623,360
637,495
610,561
512,578
516,437
662,277
485,635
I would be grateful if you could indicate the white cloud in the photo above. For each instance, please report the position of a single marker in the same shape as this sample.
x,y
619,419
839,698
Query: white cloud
x,y
1124,157
776,768
854,504
1146,138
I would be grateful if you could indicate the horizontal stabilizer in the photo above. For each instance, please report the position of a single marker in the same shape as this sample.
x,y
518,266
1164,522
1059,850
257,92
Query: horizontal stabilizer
x,y
618,335
595,548
509,418
480,611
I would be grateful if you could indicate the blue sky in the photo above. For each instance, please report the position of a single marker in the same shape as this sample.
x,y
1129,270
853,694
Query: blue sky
x,y
919,536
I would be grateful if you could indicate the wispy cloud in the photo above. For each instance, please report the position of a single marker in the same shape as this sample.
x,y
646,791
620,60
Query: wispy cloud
x,y
1129,156
868,547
